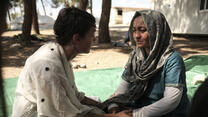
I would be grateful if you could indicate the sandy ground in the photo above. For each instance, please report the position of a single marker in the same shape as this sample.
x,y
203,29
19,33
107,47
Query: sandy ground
x,y
100,56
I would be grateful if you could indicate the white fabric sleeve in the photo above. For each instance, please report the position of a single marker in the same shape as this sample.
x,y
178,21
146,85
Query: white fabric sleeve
x,y
80,95
122,88
171,99
52,100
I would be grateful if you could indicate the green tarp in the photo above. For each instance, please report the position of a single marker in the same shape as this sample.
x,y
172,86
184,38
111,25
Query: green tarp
x,y
195,66
103,82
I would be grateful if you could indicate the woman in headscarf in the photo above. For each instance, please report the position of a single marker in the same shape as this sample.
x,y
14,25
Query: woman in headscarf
x,y
153,82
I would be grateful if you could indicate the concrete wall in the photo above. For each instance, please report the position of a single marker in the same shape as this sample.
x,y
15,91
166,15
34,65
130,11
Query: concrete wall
x,y
184,16
127,17
114,17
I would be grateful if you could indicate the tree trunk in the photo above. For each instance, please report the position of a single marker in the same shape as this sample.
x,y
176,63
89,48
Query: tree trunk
x,y
91,6
104,36
20,8
43,7
83,4
27,23
9,15
3,26
35,18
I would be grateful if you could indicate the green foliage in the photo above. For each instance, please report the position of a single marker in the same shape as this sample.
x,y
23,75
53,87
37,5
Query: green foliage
x,y
15,3
74,3
56,3
14,15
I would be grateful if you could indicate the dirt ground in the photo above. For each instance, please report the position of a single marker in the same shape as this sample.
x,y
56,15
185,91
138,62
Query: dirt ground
x,y
100,56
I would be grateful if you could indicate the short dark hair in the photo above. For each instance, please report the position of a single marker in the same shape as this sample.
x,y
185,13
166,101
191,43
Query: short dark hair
x,y
71,21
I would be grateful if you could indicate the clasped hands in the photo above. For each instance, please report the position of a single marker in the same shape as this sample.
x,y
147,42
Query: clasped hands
x,y
118,112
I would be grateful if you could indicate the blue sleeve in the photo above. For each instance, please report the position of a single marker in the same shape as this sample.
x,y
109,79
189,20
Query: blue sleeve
x,y
175,71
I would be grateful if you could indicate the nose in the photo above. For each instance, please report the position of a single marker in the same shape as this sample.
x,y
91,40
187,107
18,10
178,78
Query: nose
x,y
137,34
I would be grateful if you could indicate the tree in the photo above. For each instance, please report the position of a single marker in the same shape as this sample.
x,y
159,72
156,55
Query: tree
x,y
103,35
83,4
27,23
30,17
20,6
91,6
57,3
35,18
3,10
43,7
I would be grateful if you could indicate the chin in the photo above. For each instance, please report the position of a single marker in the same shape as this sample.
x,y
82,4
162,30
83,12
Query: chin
x,y
140,46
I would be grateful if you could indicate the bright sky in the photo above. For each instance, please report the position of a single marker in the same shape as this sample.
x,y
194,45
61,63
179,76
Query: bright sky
x,y
97,5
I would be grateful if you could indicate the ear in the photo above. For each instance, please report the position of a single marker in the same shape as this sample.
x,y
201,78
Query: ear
x,y
75,38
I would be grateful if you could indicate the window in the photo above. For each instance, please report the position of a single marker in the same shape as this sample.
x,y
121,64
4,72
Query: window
x,y
207,4
204,5
120,11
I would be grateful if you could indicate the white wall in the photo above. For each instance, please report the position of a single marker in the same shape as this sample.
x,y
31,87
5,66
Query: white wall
x,y
184,16
113,15
127,16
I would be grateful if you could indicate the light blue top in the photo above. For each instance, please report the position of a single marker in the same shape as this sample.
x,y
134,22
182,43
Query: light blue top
x,y
172,74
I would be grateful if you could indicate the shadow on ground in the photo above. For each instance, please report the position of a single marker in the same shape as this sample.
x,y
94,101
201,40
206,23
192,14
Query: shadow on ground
x,y
191,45
14,55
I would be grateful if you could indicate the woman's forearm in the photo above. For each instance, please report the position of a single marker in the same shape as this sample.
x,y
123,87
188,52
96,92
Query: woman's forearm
x,y
122,88
171,99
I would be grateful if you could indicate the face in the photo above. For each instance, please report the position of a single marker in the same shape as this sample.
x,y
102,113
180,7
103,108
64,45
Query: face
x,y
85,42
140,33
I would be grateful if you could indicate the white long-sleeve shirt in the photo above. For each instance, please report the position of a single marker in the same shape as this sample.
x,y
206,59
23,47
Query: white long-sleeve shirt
x,y
46,86
171,99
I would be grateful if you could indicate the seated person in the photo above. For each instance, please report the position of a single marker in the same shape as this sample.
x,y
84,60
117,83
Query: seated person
x,y
127,39
154,80
46,86
125,42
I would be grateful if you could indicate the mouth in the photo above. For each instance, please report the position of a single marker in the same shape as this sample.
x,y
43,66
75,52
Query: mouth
x,y
139,42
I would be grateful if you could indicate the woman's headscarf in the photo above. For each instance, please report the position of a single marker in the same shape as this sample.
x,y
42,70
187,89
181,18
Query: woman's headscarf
x,y
141,67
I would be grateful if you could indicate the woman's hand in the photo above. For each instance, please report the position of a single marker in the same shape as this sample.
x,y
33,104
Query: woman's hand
x,y
125,113
114,110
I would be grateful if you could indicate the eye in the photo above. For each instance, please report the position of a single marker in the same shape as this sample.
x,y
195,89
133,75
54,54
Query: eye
x,y
142,29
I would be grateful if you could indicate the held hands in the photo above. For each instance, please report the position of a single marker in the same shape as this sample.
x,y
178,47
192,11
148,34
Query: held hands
x,y
125,113
118,113
114,110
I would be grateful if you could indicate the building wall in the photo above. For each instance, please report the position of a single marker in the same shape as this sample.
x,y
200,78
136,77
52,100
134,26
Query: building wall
x,y
184,16
125,18
114,17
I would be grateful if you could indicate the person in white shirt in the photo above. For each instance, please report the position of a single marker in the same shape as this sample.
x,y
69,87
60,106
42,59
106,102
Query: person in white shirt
x,y
46,86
